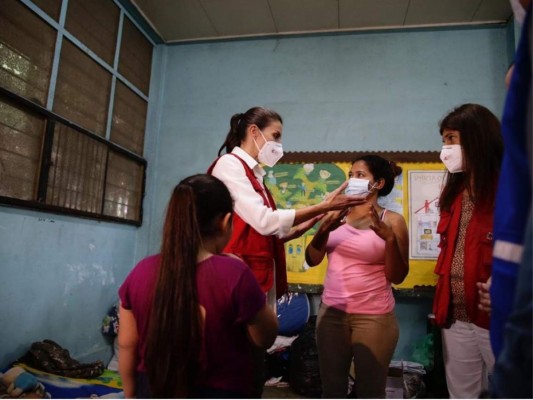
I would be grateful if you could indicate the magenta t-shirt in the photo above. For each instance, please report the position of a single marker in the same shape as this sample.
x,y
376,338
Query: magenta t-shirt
x,y
230,295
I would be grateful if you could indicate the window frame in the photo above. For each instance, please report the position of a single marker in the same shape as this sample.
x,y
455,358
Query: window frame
x,y
51,118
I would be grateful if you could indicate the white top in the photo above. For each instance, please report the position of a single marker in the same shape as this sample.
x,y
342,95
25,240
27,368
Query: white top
x,y
249,204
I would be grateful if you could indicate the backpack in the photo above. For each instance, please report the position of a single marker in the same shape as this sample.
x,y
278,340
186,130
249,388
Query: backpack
x,y
50,357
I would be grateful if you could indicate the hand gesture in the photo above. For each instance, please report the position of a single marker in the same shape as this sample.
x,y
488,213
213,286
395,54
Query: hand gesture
x,y
300,229
484,295
338,201
332,220
377,225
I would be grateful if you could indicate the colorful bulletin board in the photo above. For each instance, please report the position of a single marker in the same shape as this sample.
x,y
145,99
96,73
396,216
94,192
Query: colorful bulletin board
x,y
305,178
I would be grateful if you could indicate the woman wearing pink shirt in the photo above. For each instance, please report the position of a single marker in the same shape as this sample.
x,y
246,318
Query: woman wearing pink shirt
x,y
367,250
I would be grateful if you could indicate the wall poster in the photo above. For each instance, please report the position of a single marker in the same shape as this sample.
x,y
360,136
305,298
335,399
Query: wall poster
x,y
424,190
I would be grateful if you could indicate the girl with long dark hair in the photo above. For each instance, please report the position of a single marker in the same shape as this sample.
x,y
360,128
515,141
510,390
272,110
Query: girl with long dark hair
x,y
190,316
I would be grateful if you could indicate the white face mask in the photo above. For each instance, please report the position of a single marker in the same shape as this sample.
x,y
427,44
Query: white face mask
x,y
518,11
452,157
358,186
270,153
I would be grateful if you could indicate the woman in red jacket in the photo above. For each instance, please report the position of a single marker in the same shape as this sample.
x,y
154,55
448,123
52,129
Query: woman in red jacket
x,y
259,229
472,153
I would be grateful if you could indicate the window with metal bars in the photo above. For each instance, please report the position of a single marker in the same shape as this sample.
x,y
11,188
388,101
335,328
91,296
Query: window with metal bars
x,y
73,106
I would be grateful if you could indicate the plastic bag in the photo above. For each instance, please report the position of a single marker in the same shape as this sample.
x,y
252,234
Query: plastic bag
x,y
424,351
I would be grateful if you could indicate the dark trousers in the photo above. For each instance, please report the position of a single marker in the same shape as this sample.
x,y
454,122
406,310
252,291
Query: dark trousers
x,y
142,391
259,356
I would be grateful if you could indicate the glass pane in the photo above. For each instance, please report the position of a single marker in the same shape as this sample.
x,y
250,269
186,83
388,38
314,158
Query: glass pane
x,y
21,136
51,7
129,119
95,24
26,51
123,188
82,91
135,57
76,177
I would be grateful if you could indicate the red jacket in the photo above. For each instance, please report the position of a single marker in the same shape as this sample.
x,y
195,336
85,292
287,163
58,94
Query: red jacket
x,y
260,252
477,260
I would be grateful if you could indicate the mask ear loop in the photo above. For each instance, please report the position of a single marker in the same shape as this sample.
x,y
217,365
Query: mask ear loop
x,y
372,187
255,142
262,134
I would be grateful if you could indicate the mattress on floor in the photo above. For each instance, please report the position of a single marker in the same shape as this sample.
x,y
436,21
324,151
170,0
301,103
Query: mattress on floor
x,y
108,384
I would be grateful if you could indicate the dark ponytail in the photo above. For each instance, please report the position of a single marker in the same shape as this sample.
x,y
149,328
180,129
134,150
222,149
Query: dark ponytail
x,y
239,124
395,168
174,339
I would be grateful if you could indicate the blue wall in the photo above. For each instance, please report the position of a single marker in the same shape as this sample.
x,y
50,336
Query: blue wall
x,y
358,91
59,277
361,91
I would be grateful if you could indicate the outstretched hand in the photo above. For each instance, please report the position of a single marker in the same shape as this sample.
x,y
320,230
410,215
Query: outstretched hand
x,y
336,200
377,225
332,220
300,229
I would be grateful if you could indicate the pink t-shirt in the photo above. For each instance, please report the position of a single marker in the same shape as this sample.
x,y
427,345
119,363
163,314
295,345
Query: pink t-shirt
x,y
355,279
228,291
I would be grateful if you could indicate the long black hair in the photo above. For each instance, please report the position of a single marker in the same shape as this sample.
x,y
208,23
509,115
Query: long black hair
x,y
482,144
259,116
195,210
381,169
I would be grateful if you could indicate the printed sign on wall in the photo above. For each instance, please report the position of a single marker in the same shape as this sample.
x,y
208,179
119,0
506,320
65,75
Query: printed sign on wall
x,y
424,191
